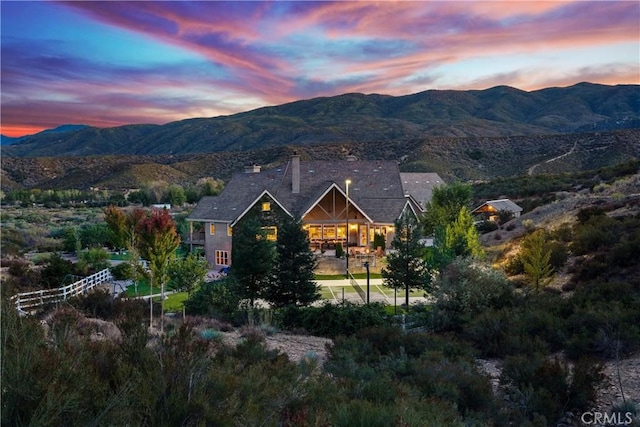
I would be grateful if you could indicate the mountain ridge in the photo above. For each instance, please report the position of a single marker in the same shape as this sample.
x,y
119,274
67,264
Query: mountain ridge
x,y
360,118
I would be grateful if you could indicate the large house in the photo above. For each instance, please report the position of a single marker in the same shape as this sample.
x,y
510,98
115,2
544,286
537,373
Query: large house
x,y
345,202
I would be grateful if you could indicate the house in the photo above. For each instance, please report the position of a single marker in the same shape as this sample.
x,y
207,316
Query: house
x,y
345,202
491,208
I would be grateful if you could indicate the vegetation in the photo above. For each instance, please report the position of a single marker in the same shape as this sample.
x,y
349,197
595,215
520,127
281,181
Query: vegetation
x,y
253,259
406,267
293,277
376,373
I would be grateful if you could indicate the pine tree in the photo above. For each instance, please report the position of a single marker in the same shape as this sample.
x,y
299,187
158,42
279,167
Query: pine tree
x,y
253,258
293,280
405,265
462,237
536,256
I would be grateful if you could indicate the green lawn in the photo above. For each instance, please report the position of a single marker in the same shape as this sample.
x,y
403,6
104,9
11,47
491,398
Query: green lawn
x,y
175,302
143,289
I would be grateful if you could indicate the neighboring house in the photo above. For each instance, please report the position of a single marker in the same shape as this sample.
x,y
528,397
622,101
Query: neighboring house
x,y
315,191
491,208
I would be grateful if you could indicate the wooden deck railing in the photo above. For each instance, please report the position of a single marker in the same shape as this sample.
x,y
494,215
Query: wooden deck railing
x,y
27,302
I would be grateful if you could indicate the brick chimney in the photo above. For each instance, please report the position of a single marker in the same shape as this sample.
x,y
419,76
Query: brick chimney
x,y
295,173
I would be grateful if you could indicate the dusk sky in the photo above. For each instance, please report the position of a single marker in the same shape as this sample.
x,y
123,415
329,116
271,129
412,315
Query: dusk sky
x,y
113,63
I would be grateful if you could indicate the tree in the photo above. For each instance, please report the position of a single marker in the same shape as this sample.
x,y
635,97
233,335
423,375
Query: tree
x,y
95,235
536,256
459,238
462,236
176,195
116,220
158,241
293,280
444,206
253,258
188,273
93,260
405,265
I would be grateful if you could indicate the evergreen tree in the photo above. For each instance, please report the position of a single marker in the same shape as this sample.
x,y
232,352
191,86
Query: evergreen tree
x,y
293,280
253,258
462,237
536,257
405,265
459,238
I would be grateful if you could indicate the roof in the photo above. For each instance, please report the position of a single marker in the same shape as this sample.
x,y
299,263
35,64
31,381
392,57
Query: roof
x,y
420,185
501,205
376,187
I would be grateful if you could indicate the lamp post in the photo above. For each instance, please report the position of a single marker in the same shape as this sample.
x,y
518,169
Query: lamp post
x,y
347,182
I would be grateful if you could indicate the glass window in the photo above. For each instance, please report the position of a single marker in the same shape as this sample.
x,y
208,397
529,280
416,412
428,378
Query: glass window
x,y
266,206
212,229
229,230
272,233
222,257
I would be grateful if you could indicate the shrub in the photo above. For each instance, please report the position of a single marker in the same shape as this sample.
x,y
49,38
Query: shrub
x,y
339,250
487,226
331,320
122,271
465,289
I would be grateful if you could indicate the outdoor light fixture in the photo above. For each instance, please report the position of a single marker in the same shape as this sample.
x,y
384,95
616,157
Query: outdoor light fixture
x,y
347,182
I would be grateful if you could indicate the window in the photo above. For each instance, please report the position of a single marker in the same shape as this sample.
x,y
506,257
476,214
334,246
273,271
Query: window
x,y
266,206
229,230
212,229
222,257
272,233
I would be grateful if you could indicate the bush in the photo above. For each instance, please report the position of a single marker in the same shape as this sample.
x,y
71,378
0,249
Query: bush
x,y
331,320
466,289
122,271
339,250
487,226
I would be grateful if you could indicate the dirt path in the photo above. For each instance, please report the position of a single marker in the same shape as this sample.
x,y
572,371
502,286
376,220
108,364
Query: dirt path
x,y
573,149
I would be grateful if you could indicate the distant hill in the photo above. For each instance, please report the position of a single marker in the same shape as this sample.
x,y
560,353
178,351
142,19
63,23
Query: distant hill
x,y
356,118
468,159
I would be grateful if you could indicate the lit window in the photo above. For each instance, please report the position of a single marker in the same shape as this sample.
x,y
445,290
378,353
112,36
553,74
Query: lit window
x,y
266,206
229,230
272,233
212,229
222,258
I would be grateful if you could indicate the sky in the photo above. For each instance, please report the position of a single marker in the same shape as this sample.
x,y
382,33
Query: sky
x,y
114,63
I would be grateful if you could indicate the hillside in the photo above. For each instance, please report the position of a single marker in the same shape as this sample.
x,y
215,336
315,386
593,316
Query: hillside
x,y
357,118
453,158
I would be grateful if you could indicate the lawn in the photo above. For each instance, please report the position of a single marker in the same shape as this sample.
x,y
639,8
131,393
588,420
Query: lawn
x,y
143,289
175,302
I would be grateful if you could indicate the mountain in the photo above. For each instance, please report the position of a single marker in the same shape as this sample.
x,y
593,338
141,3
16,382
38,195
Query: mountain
x,y
356,118
7,140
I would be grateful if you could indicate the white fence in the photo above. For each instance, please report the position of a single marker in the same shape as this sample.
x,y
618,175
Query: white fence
x,y
29,301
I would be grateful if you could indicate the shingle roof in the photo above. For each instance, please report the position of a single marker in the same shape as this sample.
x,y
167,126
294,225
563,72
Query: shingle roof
x,y
420,185
501,205
376,187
